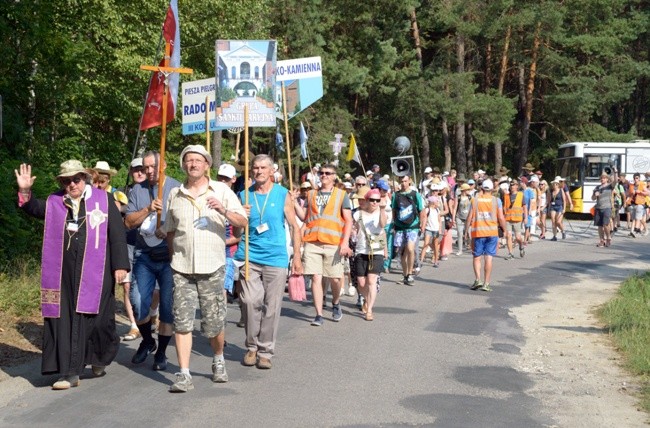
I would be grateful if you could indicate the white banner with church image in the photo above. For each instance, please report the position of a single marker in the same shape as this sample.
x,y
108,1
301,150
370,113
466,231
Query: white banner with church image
x,y
245,74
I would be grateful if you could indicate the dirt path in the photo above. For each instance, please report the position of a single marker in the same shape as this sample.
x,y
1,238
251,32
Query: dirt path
x,y
577,373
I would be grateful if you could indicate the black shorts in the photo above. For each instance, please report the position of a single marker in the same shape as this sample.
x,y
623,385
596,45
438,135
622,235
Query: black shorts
x,y
362,265
602,217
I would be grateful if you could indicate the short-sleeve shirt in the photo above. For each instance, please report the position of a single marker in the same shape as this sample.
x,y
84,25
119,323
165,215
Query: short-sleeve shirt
x,y
200,232
371,225
141,196
419,202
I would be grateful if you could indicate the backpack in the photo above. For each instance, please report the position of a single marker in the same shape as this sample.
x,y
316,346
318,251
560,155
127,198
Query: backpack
x,y
406,209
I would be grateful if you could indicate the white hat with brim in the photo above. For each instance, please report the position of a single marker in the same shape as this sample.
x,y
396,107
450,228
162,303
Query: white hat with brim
x,y
196,148
558,178
72,167
148,231
305,185
102,167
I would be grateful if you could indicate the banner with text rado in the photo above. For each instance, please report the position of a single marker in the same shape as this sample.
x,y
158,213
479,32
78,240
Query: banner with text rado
x,y
195,107
245,77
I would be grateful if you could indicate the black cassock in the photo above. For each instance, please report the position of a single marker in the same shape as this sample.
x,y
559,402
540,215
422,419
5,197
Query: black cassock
x,y
76,340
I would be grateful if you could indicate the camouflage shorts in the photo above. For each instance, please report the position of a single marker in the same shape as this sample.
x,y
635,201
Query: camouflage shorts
x,y
208,290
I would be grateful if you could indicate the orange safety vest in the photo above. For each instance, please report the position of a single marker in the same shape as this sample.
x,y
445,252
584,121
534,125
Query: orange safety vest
x,y
485,222
325,227
514,212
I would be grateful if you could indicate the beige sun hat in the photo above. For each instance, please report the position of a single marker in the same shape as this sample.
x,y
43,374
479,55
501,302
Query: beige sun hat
x,y
102,167
72,167
199,149
361,192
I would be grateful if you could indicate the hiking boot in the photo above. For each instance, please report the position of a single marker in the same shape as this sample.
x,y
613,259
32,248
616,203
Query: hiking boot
x,y
143,352
250,358
486,287
183,383
318,321
337,314
264,363
476,285
219,373
510,256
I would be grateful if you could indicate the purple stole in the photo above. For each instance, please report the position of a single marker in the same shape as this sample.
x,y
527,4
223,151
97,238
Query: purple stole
x,y
92,271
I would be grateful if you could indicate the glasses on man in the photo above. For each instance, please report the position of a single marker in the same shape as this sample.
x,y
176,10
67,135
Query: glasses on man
x,y
67,180
359,184
328,173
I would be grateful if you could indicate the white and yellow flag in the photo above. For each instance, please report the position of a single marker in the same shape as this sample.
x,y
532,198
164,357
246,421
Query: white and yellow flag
x,y
353,152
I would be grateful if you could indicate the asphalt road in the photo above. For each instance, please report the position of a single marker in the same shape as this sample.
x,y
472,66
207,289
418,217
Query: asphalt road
x,y
437,354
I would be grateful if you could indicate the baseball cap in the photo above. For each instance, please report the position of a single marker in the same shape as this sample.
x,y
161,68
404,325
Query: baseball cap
x,y
226,170
136,163
487,184
427,170
480,172
445,174
534,179
471,181
382,185
348,185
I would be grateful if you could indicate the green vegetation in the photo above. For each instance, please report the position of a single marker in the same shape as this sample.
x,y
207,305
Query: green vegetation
x,y
20,289
628,320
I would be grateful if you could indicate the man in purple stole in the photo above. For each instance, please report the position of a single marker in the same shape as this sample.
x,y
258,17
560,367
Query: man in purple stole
x,y
84,253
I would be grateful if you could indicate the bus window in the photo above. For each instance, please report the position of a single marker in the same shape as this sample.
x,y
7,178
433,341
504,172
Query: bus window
x,y
569,168
595,166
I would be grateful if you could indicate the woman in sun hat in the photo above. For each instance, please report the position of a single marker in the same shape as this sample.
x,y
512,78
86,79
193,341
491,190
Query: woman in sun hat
x,y
84,253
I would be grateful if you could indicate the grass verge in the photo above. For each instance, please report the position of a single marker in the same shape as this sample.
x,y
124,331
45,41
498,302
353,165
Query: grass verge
x,y
20,289
628,319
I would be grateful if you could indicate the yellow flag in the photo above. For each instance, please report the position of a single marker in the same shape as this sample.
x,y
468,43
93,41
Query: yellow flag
x,y
353,153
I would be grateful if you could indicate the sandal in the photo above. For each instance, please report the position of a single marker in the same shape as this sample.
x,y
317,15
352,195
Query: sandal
x,y
369,316
601,244
133,334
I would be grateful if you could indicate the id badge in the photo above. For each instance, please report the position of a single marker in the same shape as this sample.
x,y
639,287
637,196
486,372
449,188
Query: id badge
x,y
201,223
262,228
72,227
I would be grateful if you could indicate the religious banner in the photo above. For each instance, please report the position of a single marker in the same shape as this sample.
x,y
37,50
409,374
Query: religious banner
x,y
245,74
194,105
303,80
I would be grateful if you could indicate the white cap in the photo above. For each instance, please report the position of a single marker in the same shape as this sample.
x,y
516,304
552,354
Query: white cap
x,y
504,179
227,170
427,170
196,148
369,172
480,172
137,162
445,174
348,185
487,184
558,178
534,178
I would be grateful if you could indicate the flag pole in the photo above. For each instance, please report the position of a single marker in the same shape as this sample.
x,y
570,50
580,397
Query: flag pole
x,y
163,134
286,133
207,129
246,169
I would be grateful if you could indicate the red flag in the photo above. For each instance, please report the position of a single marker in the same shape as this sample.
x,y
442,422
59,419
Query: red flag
x,y
152,115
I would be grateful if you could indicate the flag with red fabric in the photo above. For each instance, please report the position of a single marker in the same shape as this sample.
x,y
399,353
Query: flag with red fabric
x,y
152,115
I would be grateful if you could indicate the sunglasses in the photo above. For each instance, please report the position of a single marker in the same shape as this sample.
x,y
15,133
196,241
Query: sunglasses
x,y
67,180
374,200
359,184
326,173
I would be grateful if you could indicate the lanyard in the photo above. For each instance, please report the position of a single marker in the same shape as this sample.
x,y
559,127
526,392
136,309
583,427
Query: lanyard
x,y
264,206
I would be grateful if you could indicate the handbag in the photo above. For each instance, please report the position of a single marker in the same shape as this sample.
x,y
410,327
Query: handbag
x,y
297,291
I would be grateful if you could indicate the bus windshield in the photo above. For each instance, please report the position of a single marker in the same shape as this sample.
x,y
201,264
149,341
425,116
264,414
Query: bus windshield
x,y
569,168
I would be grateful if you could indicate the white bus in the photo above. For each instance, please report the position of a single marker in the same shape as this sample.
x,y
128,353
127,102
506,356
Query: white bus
x,y
582,163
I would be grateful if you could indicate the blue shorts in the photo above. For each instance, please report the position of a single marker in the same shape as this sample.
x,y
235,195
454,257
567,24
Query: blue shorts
x,y
404,236
486,246
146,273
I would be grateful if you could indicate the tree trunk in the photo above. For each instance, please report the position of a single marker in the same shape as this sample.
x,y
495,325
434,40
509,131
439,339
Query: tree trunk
x,y
446,145
424,134
498,146
459,127
31,117
528,111
471,148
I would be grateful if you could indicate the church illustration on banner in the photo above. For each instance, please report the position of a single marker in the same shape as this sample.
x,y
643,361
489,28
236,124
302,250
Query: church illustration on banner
x,y
245,76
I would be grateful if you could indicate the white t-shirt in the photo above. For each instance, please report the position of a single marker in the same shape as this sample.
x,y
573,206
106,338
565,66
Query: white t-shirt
x,y
389,210
371,223
433,219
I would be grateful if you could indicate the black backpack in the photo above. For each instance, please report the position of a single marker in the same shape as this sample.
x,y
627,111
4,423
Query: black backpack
x,y
406,209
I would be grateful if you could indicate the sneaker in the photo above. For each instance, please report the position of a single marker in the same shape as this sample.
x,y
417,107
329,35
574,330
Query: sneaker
x,y
486,287
436,265
318,321
417,269
406,280
66,382
563,235
444,258
554,238
510,256
476,285
219,373
143,352
410,280
632,235
337,314
459,253
522,252
264,363
159,362
183,383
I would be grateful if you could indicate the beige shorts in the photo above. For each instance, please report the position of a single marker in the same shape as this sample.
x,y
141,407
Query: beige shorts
x,y
515,228
322,259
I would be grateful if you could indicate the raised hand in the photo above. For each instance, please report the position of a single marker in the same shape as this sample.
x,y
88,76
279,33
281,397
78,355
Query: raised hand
x,y
24,177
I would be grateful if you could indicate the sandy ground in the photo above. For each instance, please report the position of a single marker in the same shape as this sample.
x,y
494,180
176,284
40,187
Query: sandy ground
x,y
577,372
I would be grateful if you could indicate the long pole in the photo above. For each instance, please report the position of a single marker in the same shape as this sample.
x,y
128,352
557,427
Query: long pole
x,y
207,129
246,169
163,134
286,133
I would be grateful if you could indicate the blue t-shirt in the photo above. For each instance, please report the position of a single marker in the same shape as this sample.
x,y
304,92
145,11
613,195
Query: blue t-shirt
x,y
268,248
